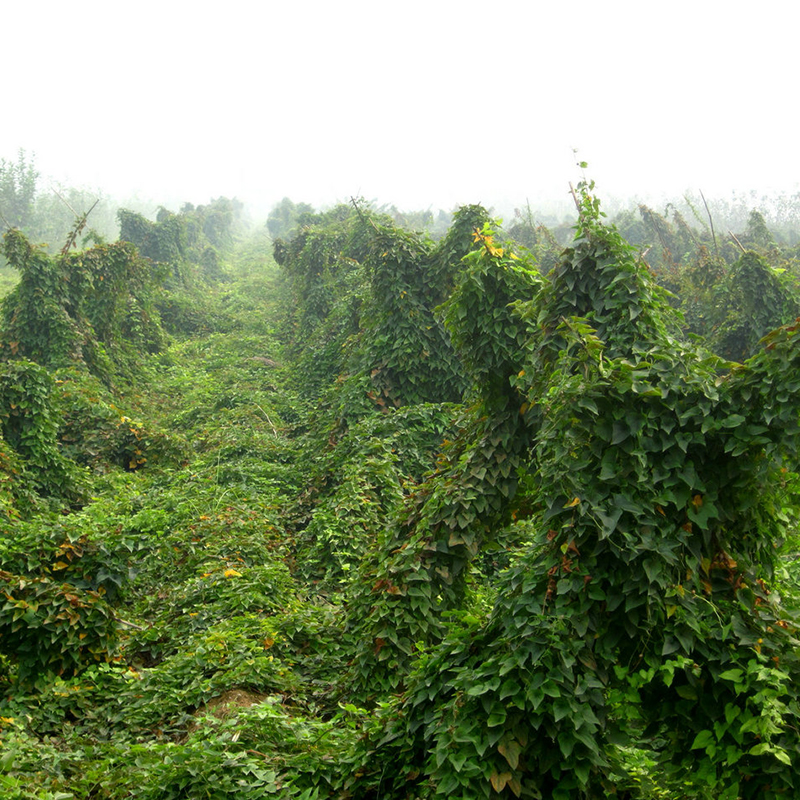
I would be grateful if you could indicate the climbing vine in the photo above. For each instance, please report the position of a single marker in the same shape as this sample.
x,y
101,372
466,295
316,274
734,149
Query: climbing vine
x,y
94,307
641,614
469,517
418,573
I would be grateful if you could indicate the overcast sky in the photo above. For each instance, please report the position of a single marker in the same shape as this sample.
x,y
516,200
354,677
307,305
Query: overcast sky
x,y
421,104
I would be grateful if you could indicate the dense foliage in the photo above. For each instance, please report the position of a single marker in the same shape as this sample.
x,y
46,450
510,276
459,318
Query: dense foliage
x,y
402,515
640,613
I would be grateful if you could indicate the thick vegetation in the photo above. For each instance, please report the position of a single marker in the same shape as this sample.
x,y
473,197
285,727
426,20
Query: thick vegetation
x,y
399,516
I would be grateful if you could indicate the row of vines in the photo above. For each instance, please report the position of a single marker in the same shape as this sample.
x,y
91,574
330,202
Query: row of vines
x,y
478,515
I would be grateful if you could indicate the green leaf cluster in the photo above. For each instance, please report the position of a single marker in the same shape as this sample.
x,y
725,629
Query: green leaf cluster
x,y
641,613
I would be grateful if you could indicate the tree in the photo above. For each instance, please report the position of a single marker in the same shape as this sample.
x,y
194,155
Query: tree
x,y
17,191
284,217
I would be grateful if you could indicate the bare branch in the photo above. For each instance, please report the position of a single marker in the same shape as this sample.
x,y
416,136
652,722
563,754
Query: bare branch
x,y
733,236
80,224
711,222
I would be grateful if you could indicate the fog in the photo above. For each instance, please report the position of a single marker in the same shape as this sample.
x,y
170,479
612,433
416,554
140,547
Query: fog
x,y
419,104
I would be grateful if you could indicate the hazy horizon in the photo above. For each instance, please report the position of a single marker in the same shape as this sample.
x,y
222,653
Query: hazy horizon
x,y
416,105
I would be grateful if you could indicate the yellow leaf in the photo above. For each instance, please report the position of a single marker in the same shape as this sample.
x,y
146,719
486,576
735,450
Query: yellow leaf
x,y
500,780
572,503
510,750
232,573
60,565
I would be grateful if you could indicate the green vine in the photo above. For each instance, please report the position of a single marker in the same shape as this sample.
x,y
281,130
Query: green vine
x,y
641,615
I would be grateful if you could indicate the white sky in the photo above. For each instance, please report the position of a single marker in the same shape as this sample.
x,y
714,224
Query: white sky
x,y
421,104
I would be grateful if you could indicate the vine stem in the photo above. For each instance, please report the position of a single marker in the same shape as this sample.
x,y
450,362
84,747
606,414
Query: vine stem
x,y
733,236
575,197
274,429
711,222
